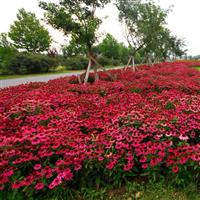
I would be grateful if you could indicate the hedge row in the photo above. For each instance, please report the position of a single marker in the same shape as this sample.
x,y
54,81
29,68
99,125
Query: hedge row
x,y
13,62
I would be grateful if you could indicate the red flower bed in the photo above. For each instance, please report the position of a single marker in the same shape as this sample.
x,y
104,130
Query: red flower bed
x,y
48,131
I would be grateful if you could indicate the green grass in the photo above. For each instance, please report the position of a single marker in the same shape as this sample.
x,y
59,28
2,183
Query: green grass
x,y
130,191
197,67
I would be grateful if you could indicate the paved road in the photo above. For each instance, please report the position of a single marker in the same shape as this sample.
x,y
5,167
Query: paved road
x,y
42,78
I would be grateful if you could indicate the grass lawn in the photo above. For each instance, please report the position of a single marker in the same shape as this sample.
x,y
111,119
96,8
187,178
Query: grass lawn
x,y
130,191
149,191
5,77
197,67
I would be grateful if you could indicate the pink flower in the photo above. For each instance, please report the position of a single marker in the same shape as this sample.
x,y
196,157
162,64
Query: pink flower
x,y
175,169
37,166
39,186
67,175
77,167
110,165
144,166
143,159
100,158
183,137
8,173
16,185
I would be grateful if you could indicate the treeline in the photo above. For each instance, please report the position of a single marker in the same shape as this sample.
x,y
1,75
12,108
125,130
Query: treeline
x,y
26,48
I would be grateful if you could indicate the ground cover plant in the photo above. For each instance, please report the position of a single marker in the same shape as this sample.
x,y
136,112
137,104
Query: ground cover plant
x,y
61,135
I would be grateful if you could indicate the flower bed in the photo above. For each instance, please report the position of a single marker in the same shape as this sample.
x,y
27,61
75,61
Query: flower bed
x,y
49,132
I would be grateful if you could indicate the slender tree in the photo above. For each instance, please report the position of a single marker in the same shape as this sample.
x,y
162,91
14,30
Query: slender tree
x,y
112,49
143,20
164,45
77,19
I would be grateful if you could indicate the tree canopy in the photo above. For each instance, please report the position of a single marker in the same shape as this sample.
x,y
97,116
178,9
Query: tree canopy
x,y
145,29
143,20
113,49
4,41
28,34
76,19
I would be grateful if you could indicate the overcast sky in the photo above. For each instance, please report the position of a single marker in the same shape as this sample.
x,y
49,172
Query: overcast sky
x,y
183,21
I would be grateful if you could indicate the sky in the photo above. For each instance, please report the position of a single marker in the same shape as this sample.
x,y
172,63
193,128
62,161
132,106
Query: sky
x,y
183,21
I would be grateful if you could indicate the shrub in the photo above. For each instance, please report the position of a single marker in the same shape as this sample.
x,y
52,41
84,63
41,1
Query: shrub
x,y
104,60
23,63
60,68
81,62
75,62
6,53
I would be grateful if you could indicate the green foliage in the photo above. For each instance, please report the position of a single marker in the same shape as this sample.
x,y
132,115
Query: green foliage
x,y
104,60
6,53
75,18
136,90
142,19
28,34
133,189
75,62
165,45
4,41
114,50
23,63
170,106
146,32
73,49
109,47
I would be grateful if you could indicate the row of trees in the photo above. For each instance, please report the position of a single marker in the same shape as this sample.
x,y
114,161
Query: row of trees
x,y
146,31
144,22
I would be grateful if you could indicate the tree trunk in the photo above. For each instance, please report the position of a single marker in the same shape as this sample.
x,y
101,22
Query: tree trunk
x,y
150,61
129,61
100,66
133,64
87,71
96,75
145,59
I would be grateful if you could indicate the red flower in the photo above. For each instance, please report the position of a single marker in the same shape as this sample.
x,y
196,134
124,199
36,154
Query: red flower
x,y
175,169
39,186
37,167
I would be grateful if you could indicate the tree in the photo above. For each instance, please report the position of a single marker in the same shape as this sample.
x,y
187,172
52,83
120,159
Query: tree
x,y
4,41
77,19
164,45
143,21
109,47
28,34
7,51
112,49
73,49
177,46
